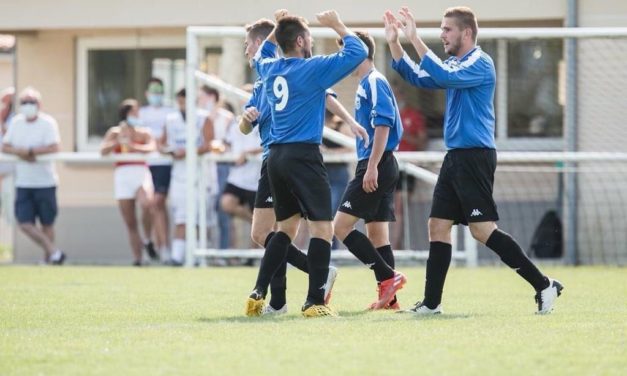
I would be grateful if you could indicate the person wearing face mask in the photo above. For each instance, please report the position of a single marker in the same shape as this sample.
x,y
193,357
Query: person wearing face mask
x,y
32,133
173,142
133,182
6,113
153,116
209,100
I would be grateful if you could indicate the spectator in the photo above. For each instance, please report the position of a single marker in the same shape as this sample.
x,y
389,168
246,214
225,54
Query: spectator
x,y
338,172
173,142
6,107
153,117
414,139
6,113
133,182
238,197
31,133
222,119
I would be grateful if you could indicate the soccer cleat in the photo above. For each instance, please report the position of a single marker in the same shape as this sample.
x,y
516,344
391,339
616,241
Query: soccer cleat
x,y
328,287
317,310
547,297
58,258
420,309
393,304
269,310
254,304
388,289
152,253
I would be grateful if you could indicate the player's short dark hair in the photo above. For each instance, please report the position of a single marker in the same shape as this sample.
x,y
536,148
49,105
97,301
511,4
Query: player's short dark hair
x,y
465,19
125,107
288,29
210,91
154,81
181,93
368,41
259,29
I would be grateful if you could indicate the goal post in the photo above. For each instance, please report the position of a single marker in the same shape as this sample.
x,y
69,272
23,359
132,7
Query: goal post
x,y
566,165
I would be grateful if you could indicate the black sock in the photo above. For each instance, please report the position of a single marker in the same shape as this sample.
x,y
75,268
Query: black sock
x,y
275,255
359,245
297,258
437,267
388,256
270,235
318,257
278,285
513,256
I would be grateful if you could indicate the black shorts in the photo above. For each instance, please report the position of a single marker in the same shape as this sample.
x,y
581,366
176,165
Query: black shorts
x,y
406,180
161,178
263,198
463,192
33,203
245,197
299,182
377,206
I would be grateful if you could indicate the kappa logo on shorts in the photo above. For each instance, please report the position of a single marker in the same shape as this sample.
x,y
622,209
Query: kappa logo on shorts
x,y
269,199
475,213
347,205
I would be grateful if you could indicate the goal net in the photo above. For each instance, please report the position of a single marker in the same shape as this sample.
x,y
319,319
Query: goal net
x,y
560,130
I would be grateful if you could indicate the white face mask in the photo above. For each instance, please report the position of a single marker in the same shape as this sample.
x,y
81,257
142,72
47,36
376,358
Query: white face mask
x,y
29,110
133,121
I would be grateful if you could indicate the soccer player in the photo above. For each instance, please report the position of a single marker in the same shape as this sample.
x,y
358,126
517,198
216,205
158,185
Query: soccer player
x,y
463,192
296,89
257,114
370,195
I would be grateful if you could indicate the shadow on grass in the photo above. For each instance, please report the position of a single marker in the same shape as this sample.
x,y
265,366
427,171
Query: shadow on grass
x,y
248,320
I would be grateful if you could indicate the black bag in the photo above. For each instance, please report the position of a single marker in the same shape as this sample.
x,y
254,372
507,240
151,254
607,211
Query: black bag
x,y
547,239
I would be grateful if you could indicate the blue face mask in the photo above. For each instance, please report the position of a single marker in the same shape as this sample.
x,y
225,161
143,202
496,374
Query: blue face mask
x,y
155,99
133,121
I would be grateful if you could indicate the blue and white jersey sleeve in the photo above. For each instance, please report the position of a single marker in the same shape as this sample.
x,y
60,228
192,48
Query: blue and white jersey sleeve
x,y
383,110
253,101
413,73
330,69
468,73
266,52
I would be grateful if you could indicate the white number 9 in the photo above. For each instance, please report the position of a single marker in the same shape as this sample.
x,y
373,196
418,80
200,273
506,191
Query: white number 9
x,y
281,91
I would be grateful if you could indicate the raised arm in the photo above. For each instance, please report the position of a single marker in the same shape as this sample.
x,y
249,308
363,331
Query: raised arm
x,y
336,108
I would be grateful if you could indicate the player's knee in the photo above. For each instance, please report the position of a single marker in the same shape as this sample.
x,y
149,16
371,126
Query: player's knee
x,y
321,230
482,231
259,234
439,231
341,230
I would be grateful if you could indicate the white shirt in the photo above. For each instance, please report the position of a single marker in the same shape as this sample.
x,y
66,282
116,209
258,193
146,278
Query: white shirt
x,y
176,134
245,176
223,120
153,118
44,131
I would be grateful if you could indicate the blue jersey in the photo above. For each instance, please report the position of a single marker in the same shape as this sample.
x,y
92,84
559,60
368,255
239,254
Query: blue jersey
x,y
295,88
376,106
264,120
469,84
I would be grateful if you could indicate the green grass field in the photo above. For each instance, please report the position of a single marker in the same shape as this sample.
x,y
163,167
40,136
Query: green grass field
x,y
159,321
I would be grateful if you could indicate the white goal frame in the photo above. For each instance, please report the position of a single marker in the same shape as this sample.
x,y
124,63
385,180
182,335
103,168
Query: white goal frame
x,y
468,251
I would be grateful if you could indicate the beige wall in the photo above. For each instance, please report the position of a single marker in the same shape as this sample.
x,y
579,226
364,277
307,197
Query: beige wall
x,y
6,70
64,14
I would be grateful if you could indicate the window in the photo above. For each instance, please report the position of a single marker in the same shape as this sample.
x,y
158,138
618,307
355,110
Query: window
x,y
529,115
112,69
